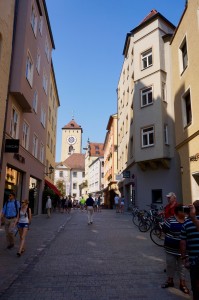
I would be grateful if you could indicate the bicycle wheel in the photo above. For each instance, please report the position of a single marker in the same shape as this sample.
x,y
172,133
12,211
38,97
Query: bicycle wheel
x,y
136,220
157,236
144,225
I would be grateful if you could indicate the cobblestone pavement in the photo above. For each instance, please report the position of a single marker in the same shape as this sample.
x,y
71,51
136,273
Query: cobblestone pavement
x,y
68,259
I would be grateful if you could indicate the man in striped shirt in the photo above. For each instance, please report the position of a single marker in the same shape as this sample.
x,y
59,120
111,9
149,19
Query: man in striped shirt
x,y
190,243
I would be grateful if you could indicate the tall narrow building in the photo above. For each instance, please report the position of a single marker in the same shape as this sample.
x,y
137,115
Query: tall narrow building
x,y
147,158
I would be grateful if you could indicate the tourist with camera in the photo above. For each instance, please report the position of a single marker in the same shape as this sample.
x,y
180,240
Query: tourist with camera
x,y
190,244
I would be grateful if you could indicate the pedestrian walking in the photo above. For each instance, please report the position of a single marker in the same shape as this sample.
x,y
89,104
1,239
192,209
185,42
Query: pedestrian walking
x,y
9,214
172,228
90,210
116,200
48,206
23,221
169,208
99,208
122,204
190,244
70,203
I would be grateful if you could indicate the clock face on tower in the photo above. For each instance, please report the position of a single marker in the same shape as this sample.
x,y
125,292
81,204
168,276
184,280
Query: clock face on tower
x,y
71,140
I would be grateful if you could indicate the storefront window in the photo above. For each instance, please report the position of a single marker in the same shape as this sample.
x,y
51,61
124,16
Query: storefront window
x,y
33,195
13,183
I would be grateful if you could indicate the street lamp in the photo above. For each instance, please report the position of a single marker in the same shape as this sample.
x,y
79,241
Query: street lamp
x,y
51,169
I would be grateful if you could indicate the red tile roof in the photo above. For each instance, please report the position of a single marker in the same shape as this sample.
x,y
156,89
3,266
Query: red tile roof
x,y
72,125
96,149
75,161
151,14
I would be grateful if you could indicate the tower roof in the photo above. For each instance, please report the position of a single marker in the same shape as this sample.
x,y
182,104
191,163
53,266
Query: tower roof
x,y
72,125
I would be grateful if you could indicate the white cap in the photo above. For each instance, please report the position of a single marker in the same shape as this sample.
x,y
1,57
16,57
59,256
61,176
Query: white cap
x,y
171,194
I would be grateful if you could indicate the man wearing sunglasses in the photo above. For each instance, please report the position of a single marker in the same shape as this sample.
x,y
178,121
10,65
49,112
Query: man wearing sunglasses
x,y
9,213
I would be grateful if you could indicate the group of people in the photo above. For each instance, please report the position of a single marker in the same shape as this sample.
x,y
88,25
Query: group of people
x,y
119,203
181,229
16,217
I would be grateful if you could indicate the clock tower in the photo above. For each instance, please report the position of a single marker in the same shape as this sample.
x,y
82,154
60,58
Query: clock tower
x,y
71,139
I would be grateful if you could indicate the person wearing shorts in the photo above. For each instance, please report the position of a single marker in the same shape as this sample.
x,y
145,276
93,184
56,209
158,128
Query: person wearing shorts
x,y
23,220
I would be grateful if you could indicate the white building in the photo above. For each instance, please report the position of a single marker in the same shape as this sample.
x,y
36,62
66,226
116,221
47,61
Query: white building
x,y
96,176
71,174
146,134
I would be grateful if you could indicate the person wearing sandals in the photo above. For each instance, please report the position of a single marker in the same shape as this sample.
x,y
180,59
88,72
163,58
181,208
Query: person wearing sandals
x,y
23,220
172,228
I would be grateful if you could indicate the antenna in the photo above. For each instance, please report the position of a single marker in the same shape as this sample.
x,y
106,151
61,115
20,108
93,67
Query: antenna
x,y
73,115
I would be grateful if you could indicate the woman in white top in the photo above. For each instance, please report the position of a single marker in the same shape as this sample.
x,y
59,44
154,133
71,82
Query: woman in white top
x,y
23,219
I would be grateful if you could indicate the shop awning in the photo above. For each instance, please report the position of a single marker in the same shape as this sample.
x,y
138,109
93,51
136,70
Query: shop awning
x,y
52,187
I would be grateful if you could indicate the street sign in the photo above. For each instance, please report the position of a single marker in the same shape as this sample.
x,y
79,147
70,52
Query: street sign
x,y
118,177
12,146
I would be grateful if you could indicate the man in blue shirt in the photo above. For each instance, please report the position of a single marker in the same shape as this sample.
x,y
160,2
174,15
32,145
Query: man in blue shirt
x,y
9,212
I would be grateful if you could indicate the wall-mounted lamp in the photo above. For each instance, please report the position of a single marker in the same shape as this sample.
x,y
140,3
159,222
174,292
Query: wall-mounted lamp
x,y
51,169
181,169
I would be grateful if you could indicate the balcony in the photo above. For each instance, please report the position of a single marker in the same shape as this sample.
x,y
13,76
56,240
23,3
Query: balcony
x,y
25,105
154,164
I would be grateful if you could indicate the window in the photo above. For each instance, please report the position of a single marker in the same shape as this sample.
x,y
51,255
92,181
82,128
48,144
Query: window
x,y
42,152
102,175
184,55
60,173
45,82
43,117
33,20
48,139
14,124
146,59
157,196
164,92
25,135
74,186
148,136
166,137
29,69
38,62
35,146
74,174
146,96
35,101
41,25
47,49
187,113
83,174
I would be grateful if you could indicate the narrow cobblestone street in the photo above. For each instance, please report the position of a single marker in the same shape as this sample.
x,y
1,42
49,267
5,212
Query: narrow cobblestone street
x,y
68,259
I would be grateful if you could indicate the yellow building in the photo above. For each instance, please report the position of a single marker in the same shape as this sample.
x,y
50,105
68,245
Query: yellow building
x,y
51,128
110,162
185,58
6,33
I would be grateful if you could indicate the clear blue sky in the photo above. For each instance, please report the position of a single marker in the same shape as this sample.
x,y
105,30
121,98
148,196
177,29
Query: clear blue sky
x,y
89,38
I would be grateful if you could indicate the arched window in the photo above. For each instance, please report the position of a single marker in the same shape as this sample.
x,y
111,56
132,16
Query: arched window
x,y
71,148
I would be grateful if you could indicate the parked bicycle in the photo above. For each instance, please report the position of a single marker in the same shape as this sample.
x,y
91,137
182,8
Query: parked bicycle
x,y
157,235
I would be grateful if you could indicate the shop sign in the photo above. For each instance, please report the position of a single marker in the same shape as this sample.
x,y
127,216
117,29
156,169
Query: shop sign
x,y
126,174
12,146
194,157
